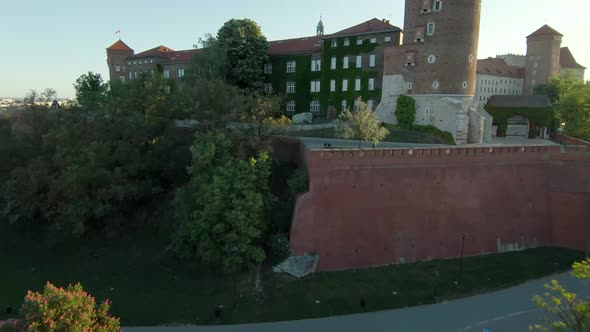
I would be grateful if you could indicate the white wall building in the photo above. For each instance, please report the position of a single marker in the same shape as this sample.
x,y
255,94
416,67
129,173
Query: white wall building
x,y
496,77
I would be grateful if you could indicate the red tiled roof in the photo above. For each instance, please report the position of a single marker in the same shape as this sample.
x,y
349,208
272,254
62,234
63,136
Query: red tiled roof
x,y
181,56
545,30
160,51
370,26
119,45
297,45
498,67
567,60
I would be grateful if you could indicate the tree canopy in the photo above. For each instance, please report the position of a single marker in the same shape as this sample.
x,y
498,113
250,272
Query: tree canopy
x,y
362,125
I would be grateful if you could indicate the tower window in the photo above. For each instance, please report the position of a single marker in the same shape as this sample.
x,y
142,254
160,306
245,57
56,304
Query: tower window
x,y
117,68
431,59
435,85
437,6
430,28
465,85
470,58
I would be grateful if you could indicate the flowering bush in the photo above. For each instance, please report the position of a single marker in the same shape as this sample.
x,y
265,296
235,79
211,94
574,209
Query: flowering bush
x,y
303,118
70,309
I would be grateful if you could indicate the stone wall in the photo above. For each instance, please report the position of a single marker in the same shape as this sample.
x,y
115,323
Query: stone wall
x,y
377,207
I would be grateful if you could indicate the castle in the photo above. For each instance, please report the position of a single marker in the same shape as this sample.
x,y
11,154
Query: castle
x,y
434,60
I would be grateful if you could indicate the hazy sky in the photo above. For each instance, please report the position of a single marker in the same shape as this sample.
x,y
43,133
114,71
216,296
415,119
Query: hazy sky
x,y
51,43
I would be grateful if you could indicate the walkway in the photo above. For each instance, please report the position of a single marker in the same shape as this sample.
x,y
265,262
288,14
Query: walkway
x,y
503,311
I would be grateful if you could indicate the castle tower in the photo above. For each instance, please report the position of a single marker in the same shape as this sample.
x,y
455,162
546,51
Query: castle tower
x,y
436,65
542,57
320,28
116,55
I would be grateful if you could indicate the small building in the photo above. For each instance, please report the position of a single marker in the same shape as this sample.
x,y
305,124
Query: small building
x,y
496,77
525,116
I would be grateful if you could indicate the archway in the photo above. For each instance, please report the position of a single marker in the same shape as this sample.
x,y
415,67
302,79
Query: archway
x,y
517,126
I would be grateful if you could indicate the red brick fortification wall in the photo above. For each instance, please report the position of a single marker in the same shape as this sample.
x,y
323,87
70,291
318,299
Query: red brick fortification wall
x,y
394,206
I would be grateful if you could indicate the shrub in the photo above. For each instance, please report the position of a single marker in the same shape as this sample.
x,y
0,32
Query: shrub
x,y
279,248
405,111
298,183
444,135
70,309
303,118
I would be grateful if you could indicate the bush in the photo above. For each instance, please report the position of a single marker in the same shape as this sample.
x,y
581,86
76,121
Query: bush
x,y
303,118
70,309
444,135
279,248
405,111
298,183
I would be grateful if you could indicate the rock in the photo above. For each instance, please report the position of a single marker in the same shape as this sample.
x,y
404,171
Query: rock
x,y
298,266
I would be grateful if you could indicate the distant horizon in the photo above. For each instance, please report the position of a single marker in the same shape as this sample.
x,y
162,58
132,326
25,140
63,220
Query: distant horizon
x,y
72,42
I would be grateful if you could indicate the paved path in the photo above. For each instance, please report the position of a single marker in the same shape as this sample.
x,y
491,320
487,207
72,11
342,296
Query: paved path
x,y
503,311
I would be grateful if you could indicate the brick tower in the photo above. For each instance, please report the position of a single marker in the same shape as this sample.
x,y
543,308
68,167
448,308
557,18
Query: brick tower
x,y
542,57
116,55
437,66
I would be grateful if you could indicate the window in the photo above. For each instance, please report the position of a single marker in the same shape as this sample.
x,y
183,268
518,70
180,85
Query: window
x,y
372,60
345,85
167,89
357,84
359,61
134,62
534,72
430,28
268,68
130,75
435,85
315,86
373,40
334,43
151,60
316,65
314,106
359,41
437,6
129,63
470,58
410,85
357,104
135,75
181,72
268,88
345,63
291,106
370,103
431,59
346,42
371,84
166,73
122,78
344,105
333,63
465,85
387,39
290,87
333,85
117,68
291,67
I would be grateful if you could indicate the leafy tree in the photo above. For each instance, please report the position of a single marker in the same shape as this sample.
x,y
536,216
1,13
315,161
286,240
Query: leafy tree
x,y
566,310
210,63
247,52
70,309
31,97
91,91
405,111
49,95
557,86
221,211
361,125
573,109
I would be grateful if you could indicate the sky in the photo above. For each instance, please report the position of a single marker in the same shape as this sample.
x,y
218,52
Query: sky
x,y
48,44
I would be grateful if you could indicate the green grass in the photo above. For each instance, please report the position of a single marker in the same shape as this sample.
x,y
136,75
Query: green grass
x,y
395,135
150,288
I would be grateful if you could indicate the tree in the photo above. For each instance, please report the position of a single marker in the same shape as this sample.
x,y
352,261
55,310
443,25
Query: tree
x,y
91,92
567,312
211,62
221,211
361,125
405,111
31,97
573,109
49,95
247,52
557,87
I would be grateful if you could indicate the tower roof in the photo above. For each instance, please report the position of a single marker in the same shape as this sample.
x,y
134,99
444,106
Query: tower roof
x,y
567,60
545,30
119,45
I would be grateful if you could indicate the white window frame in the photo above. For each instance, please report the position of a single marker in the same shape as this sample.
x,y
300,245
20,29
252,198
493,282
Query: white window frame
x,y
315,86
180,72
314,106
316,65
437,6
372,60
357,84
268,68
332,85
430,28
359,61
334,43
345,63
166,74
357,104
371,84
333,62
130,75
268,88
291,87
359,41
346,42
345,84
291,106
291,66
117,68
387,39
435,85
344,105
374,40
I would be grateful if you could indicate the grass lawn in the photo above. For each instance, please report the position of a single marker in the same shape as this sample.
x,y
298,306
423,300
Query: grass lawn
x,y
150,288
395,135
